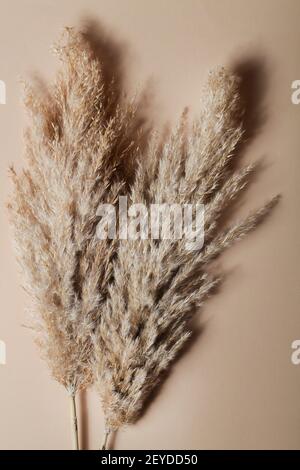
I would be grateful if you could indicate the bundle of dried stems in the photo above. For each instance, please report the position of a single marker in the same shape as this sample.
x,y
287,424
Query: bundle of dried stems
x,y
81,138
159,284
119,312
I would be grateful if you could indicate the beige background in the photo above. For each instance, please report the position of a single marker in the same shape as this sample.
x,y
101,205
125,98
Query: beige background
x,y
236,386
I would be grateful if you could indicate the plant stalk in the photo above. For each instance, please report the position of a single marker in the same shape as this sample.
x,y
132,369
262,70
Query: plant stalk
x,y
74,424
104,440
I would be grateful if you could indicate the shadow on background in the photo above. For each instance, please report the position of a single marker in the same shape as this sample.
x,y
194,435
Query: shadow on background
x,y
84,421
113,55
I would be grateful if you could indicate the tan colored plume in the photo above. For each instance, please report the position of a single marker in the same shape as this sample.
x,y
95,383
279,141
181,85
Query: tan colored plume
x,y
159,284
78,144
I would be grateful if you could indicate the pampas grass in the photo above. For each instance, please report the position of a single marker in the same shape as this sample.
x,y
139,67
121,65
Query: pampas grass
x,y
79,143
159,284
109,311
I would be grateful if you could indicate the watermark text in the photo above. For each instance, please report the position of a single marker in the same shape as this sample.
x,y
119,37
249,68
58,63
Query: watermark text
x,y
156,221
2,92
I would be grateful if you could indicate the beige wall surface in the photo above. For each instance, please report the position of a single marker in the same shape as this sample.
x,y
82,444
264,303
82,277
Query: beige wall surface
x,y
236,387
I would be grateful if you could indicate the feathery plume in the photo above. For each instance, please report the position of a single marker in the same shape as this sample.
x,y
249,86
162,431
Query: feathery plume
x,y
159,284
80,140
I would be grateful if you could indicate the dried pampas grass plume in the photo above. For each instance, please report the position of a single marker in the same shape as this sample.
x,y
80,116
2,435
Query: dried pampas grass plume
x,y
78,143
158,284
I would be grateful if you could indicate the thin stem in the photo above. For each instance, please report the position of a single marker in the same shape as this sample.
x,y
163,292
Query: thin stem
x,y
74,425
104,440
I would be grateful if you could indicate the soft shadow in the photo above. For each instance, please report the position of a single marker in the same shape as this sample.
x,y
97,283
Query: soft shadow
x,y
113,55
84,421
253,72
112,441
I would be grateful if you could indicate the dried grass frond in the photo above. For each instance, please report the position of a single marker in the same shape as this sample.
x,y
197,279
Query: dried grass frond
x,y
78,142
158,284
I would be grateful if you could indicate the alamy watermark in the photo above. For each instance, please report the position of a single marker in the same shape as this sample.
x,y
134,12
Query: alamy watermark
x,y
295,356
2,353
295,96
2,92
158,221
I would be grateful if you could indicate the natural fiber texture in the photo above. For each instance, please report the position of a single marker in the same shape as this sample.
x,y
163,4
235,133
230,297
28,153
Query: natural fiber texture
x,y
159,285
80,140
